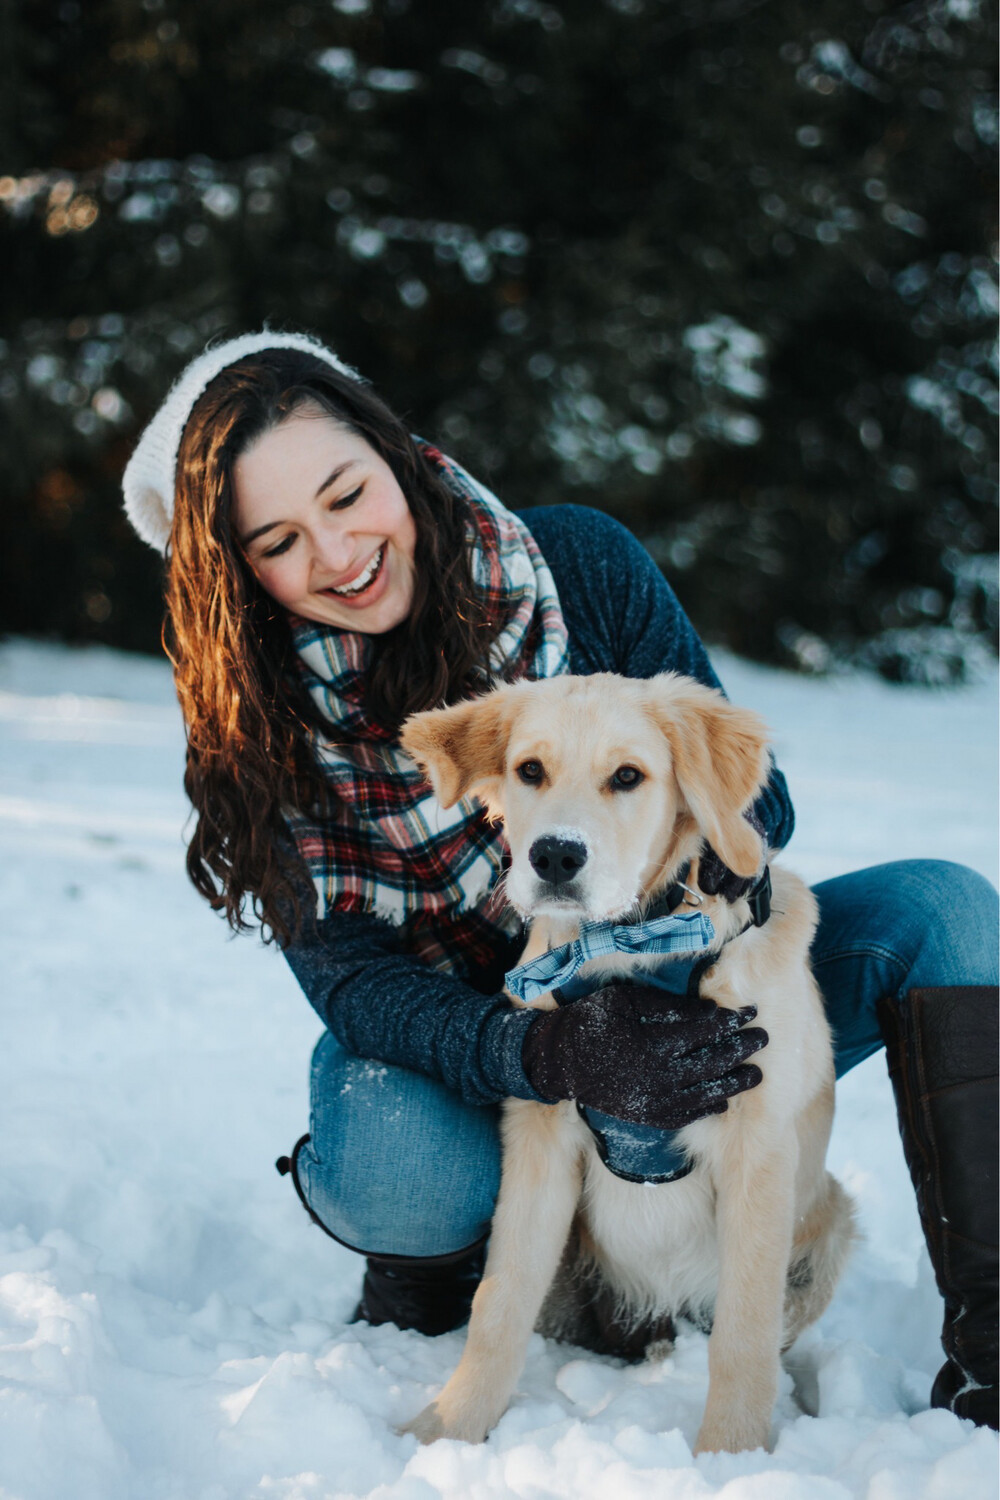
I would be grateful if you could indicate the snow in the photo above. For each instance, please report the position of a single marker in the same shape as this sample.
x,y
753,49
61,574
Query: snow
x,y
172,1327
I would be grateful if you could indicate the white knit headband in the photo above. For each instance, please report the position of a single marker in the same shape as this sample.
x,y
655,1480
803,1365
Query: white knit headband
x,y
148,481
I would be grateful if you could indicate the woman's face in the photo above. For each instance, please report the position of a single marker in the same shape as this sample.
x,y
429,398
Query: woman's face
x,y
324,524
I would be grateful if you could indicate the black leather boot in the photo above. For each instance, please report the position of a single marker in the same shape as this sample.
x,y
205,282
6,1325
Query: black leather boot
x,y
941,1047
432,1296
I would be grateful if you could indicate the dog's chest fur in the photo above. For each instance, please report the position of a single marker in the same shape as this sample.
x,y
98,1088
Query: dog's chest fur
x,y
655,1243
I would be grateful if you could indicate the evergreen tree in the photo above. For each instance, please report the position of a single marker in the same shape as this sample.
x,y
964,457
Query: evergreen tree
x,y
721,267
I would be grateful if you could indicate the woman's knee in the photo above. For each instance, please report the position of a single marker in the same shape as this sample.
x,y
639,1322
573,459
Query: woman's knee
x,y
911,924
396,1164
945,883
957,912
930,920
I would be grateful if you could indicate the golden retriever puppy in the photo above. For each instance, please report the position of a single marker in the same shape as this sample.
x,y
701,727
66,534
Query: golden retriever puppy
x,y
637,776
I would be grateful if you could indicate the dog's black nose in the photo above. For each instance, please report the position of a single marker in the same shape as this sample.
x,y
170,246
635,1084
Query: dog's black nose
x,y
556,860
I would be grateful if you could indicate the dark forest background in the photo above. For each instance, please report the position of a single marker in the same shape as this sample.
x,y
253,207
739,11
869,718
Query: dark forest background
x,y
724,268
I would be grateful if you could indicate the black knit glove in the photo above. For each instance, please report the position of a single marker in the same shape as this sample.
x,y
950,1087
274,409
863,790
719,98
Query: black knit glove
x,y
640,1054
717,879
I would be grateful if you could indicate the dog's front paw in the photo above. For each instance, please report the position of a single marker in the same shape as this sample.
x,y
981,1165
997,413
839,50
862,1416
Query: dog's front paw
x,y
427,1426
731,1435
432,1424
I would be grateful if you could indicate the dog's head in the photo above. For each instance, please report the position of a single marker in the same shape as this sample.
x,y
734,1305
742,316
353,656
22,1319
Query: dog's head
x,y
606,785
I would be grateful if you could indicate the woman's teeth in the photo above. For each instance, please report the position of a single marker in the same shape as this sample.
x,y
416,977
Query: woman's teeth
x,y
363,579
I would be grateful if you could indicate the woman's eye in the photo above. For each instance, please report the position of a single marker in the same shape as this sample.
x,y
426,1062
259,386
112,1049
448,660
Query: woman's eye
x,y
530,771
346,500
625,778
281,547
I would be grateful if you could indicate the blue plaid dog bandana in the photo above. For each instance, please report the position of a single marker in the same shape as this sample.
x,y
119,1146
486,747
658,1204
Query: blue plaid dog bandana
x,y
690,933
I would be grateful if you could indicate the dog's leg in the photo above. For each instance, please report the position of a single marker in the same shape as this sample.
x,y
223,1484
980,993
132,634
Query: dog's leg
x,y
822,1245
824,1223
539,1191
754,1216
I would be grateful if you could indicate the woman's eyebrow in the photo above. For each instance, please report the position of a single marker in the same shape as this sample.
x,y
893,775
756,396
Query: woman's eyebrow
x,y
332,478
252,535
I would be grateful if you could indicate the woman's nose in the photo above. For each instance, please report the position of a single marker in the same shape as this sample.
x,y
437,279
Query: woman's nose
x,y
333,549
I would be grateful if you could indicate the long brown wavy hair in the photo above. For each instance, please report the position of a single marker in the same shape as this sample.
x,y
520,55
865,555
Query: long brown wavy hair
x,y
248,720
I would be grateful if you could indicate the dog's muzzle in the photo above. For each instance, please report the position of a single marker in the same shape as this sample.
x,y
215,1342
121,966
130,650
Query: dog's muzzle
x,y
557,861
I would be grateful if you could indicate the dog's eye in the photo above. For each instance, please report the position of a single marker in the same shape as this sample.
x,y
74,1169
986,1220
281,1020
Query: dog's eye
x,y
531,771
625,778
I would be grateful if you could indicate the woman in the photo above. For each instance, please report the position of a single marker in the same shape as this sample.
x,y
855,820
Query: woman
x,y
327,575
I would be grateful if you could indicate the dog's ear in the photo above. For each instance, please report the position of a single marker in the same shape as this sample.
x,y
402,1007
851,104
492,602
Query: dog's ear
x,y
461,748
721,761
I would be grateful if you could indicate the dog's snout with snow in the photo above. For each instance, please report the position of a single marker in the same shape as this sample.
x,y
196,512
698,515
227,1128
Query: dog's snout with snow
x,y
557,861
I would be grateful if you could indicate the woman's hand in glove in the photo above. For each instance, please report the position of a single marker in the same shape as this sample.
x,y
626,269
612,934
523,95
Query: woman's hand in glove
x,y
641,1054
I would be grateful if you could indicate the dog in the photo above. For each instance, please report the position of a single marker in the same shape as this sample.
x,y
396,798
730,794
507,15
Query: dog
x,y
642,774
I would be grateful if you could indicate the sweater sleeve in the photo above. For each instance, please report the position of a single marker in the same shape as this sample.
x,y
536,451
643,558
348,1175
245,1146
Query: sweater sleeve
x,y
383,1003
623,616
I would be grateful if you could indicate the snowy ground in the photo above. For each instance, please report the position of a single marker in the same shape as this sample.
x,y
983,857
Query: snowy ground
x,y
171,1325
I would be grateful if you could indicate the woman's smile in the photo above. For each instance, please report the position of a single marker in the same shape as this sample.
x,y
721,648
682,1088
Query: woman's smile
x,y
324,524
361,582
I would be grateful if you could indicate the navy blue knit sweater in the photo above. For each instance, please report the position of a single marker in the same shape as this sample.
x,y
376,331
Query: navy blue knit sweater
x,y
381,1002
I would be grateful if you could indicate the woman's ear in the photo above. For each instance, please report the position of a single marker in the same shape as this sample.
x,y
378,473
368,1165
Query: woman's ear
x,y
461,748
721,761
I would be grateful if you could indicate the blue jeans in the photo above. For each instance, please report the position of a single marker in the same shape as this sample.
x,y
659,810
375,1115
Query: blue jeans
x,y
398,1164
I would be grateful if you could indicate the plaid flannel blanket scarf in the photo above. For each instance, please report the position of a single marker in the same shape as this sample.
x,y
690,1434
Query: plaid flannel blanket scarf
x,y
389,847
